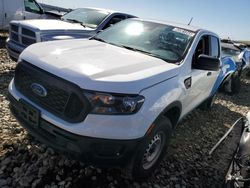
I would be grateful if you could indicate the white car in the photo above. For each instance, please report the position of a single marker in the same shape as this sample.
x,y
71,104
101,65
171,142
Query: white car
x,y
115,99
79,23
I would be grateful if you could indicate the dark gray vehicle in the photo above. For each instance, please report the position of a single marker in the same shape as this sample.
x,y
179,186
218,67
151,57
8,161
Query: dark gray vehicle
x,y
79,23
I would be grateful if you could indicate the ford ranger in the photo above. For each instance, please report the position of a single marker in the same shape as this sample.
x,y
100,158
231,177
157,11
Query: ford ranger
x,y
115,99
79,23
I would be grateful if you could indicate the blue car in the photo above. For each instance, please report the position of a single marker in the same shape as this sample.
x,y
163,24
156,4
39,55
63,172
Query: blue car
x,y
235,61
228,80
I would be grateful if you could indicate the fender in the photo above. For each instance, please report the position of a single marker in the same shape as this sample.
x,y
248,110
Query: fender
x,y
228,67
172,111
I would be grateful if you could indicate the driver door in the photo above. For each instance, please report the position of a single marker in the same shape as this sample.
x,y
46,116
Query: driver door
x,y
201,81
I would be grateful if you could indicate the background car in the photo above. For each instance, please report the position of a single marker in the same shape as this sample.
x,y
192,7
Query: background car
x,y
233,56
79,23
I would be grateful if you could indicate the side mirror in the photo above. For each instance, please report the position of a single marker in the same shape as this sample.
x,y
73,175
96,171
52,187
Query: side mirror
x,y
205,62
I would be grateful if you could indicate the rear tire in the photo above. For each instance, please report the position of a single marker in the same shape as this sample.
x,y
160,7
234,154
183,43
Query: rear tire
x,y
233,86
152,150
208,104
248,74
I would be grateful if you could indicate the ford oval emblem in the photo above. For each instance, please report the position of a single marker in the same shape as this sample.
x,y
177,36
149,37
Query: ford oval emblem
x,y
38,90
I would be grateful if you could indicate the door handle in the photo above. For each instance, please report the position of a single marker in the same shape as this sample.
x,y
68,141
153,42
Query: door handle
x,y
5,15
209,73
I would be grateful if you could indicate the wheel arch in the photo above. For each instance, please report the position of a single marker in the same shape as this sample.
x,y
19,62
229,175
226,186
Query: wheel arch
x,y
173,112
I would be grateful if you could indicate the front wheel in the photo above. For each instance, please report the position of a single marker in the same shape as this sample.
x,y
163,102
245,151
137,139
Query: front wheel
x,y
152,150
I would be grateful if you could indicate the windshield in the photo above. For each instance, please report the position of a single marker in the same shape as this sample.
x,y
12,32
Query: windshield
x,y
87,17
162,41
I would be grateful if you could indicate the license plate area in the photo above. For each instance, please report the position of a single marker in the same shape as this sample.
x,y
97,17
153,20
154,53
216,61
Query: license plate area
x,y
29,113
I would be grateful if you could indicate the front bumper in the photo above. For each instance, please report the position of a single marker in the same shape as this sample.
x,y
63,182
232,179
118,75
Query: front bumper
x,y
103,152
14,49
116,127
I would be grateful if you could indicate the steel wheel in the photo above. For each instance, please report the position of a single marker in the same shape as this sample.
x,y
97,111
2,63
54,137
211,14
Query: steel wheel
x,y
153,150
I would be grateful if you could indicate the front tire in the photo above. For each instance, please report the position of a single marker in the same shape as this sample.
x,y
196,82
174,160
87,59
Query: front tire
x,y
152,150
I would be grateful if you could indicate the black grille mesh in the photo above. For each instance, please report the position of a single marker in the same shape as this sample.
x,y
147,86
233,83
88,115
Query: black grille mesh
x,y
28,32
14,37
63,99
14,28
27,41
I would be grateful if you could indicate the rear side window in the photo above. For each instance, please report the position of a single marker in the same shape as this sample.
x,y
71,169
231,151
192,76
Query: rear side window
x,y
32,6
214,47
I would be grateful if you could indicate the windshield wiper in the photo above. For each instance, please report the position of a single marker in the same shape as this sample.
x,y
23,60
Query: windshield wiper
x,y
76,21
142,51
98,39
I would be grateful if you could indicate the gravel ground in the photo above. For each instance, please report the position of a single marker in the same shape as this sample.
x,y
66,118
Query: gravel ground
x,y
24,162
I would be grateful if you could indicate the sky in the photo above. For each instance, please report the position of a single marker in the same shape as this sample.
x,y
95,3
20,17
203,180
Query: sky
x,y
227,18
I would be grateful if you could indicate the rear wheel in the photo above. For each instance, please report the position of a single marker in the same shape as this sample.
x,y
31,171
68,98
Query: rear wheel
x,y
208,104
248,73
152,150
233,85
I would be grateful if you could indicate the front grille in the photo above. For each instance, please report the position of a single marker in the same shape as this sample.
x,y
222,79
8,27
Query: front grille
x,y
14,28
14,37
64,99
28,32
27,41
22,35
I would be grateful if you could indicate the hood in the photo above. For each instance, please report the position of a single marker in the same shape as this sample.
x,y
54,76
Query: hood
x,y
51,24
95,65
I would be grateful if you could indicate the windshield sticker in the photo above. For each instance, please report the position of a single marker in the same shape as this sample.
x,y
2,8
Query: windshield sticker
x,y
183,31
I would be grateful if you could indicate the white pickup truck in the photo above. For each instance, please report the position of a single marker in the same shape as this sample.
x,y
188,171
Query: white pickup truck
x,y
116,98
79,23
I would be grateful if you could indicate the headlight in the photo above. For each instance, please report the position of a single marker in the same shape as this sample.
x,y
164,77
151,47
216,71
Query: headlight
x,y
104,103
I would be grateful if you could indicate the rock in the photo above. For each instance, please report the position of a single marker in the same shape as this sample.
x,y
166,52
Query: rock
x,y
99,171
42,171
58,178
144,185
68,185
88,171
62,183
35,183
177,186
6,161
173,178
157,186
25,181
3,182
110,178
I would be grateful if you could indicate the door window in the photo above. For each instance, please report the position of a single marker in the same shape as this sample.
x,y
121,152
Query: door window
x,y
214,47
208,45
202,48
32,6
114,20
